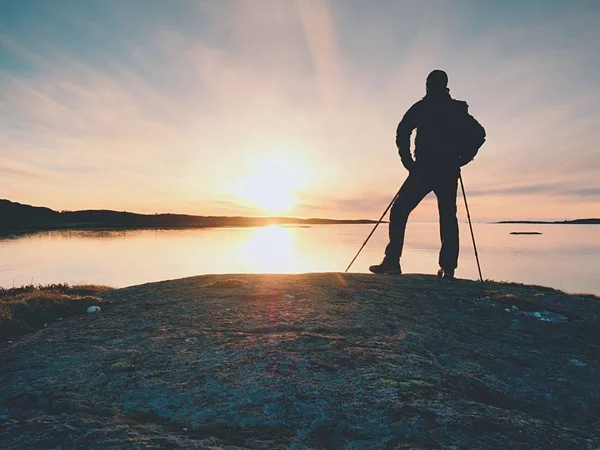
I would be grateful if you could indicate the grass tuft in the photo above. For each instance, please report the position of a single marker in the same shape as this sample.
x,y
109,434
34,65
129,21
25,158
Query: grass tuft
x,y
27,308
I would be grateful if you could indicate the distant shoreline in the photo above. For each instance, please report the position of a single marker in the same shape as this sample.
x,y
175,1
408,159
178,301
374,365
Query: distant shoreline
x,y
556,222
19,218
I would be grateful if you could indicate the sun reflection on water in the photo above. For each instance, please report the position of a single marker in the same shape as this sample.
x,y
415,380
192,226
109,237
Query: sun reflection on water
x,y
271,249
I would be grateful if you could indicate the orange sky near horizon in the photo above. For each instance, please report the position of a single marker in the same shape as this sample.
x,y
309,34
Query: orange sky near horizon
x,y
290,108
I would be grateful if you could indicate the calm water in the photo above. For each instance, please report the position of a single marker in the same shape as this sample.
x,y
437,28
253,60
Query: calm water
x,y
564,256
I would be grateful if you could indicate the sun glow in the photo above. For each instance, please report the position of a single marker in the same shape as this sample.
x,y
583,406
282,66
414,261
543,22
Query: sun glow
x,y
271,249
272,186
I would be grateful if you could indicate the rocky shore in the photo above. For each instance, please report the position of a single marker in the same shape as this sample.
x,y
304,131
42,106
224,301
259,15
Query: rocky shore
x,y
310,361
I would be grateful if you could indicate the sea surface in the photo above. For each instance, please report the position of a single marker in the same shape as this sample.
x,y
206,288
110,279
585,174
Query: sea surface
x,y
565,257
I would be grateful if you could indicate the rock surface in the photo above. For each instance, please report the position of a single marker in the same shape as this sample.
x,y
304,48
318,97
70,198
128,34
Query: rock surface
x,y
310,361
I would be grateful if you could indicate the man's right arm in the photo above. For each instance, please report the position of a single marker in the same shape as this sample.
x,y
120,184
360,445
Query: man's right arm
x,y
408,123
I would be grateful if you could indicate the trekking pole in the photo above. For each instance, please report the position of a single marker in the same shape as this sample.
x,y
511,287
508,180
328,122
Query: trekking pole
x,y
373,231
462,186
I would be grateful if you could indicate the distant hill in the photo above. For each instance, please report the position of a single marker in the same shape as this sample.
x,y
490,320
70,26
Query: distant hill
x,y
557,222
15,215
18,217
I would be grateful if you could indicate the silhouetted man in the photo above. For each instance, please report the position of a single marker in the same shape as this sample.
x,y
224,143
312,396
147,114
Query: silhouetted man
x,y
435,167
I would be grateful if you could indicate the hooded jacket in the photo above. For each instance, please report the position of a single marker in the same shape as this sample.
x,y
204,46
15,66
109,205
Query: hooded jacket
x,y
435,118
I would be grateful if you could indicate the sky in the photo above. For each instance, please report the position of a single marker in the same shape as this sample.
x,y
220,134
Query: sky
x,y
290,107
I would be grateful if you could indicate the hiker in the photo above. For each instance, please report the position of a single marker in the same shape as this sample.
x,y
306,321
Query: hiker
x,y
441,148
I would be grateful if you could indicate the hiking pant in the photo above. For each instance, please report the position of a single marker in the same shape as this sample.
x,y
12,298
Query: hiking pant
x,y
419,183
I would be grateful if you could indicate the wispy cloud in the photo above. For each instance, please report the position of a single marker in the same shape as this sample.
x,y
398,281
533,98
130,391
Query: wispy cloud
x,y
554,189
23,172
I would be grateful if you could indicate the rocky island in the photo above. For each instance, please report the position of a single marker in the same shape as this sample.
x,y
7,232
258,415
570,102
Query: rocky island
x,y
526,233
310,361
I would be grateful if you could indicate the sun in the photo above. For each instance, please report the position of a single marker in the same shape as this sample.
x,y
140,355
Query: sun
x,y
272,185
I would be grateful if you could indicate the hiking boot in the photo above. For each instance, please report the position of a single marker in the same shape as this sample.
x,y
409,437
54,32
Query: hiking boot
x,y
387,267
446,274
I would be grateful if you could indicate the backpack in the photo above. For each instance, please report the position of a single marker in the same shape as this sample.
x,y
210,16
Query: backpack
x,y
469,136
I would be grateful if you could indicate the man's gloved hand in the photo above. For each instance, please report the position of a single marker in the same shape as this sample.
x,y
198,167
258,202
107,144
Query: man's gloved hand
x,y
406,158
408,163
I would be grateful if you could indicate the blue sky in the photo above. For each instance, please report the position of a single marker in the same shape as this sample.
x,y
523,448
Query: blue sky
x,y
192,106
